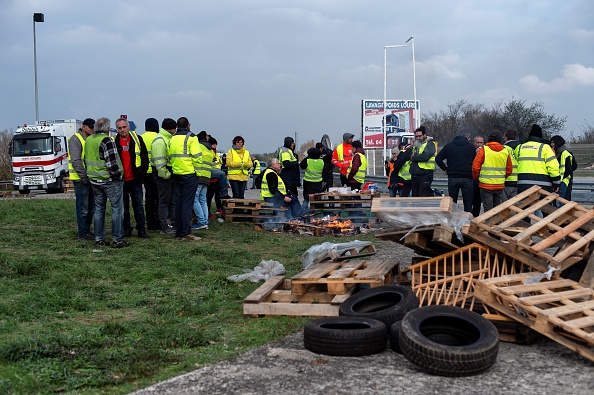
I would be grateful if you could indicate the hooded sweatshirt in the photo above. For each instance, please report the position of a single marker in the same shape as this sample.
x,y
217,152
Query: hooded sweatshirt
x,y
459,155
480,159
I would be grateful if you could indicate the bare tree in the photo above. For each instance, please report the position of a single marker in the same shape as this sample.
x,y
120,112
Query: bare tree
x,y
5,159
304,147
459,118
587,135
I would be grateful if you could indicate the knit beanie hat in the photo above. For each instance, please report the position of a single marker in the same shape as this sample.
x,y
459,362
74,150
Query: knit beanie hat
x,y
536,131
169,124
347,136
151,125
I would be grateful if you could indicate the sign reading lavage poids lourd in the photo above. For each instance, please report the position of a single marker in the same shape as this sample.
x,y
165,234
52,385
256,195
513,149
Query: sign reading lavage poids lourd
x,y
400,116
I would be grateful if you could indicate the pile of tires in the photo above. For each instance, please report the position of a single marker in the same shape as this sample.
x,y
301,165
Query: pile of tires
x,y
441,340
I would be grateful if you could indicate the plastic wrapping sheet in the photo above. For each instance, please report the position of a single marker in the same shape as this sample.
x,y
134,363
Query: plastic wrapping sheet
x,y
327,250
409,213
262,272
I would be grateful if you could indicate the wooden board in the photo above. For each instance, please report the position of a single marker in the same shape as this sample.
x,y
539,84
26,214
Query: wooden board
x,y
412,204
559,309
428,241
274,298
341,277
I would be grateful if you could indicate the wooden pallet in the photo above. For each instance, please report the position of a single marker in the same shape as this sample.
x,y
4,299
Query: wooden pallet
x,y
429,241
275,297
559,309
450,279
251,210
511,331
337,278
355,207
413,204
561,239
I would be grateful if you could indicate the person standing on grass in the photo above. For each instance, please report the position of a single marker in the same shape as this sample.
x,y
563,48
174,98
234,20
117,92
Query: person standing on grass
x,y
105,171
151,192
422,163
491,166
203,171
459,155
239,164
83,191
357,170
343,155
213,188
289,160
274,191
313,167
161,165
184,154
256,170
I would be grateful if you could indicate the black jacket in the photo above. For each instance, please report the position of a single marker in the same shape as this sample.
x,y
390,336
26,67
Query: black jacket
x,y
139,172
459,155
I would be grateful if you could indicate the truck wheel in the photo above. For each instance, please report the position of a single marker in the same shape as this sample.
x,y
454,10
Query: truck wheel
x,y
448,341
59,188
387,303
345,336
24,191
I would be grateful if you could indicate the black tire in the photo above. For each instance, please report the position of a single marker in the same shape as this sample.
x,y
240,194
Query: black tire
x,y
345,336
59,188
394,336
448,341
388,303
24,191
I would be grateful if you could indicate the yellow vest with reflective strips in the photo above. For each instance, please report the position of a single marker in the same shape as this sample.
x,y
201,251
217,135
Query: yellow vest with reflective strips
x,y
148,138
313,172
265,191
360,175
430,164
514,175
493,168
206,164
184,152
563,158
73,174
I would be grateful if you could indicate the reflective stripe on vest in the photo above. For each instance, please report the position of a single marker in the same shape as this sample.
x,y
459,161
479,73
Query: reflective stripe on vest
x,y
313,172
136,149
564,155
534,162
360,175
73,174
404,172
265,191
493,168
205,168
148,137
236,170
286,154
257,169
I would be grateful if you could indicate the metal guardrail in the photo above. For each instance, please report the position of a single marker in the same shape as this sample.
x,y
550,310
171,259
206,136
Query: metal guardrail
x,y
583,189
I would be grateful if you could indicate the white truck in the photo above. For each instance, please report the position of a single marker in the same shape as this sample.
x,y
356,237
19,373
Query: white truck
x,y
40,155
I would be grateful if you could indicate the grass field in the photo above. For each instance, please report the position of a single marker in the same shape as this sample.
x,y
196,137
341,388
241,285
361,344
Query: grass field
x,y
74,320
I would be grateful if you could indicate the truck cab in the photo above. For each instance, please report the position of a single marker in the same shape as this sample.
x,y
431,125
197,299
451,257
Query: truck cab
x,y
40,155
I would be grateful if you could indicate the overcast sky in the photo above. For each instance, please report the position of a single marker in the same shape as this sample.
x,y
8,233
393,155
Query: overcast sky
x,y
265,69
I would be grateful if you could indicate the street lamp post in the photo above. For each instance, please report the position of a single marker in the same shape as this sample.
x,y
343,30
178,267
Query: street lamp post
x,y
417,110
37,17
385,75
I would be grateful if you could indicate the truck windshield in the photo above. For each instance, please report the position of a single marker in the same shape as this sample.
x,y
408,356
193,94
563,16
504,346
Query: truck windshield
x,y
32,146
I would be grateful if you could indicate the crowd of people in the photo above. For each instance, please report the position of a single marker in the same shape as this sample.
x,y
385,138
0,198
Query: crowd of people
x,y
485,174
169,175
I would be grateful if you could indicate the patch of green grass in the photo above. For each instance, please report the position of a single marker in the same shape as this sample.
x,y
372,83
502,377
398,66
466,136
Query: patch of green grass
x,y
107,322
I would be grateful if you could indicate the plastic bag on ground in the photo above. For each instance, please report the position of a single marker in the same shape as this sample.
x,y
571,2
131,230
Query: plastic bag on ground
x,y
329,251
262,272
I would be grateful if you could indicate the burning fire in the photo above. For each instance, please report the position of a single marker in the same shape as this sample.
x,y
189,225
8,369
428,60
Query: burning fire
x,y
333,222
317,226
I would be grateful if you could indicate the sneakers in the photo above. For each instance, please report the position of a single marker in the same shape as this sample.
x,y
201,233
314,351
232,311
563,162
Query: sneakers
x,y
168,231
190,237
202,227
211,216
120,244
101,243
220,211
88,236
195,226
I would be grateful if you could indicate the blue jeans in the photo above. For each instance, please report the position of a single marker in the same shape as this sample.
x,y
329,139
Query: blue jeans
x,y
200,206
85,207
238,188
114,191
133,191
184,193
279,201
222,177
464,185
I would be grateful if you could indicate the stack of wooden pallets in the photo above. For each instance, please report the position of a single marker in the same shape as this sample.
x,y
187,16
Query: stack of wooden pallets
x,y
352,206
493,270
251,210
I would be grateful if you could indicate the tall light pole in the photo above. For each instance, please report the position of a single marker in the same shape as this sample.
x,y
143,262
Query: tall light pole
x,y
417,110
37,17
385,75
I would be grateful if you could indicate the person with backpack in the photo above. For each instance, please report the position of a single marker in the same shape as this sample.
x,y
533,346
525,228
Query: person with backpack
x,y
567,165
